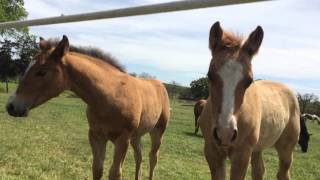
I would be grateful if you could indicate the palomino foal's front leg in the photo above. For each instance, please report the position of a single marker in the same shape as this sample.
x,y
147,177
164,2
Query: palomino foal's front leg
x,y
239,163
98,147
121,146
257,165
216,161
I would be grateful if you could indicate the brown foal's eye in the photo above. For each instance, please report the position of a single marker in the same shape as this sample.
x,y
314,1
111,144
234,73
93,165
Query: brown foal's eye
x,y
40,73
209,77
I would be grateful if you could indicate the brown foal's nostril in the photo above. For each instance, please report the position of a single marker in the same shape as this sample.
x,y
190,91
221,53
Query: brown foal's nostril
x,y
10,108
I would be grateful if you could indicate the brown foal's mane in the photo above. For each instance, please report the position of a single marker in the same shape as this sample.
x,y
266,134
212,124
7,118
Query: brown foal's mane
x,y
89,51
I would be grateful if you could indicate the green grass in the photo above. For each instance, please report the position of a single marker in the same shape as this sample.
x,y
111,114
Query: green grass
x,y
52,143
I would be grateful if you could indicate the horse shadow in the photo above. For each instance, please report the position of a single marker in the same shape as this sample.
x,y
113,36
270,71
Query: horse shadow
x,y
198,135
187,105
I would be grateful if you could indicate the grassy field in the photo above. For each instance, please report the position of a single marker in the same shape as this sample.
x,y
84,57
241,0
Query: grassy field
x,y
52,143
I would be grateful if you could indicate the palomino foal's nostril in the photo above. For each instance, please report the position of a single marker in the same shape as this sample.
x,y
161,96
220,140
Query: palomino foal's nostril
x,y
234,136
216,136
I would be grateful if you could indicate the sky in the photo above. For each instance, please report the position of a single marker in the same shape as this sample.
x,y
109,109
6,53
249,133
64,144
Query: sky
x,y
174,46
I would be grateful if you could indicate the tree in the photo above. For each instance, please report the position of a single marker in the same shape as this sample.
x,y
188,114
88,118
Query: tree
x,y
305,100
7,66
313,108
146,75
15,55
17,46
26,48
172,89
200,88
12,10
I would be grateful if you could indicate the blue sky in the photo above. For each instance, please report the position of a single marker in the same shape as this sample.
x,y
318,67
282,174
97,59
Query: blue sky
x,y
174,46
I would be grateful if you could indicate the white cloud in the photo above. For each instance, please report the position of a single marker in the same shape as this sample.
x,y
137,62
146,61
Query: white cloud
x,y
292,63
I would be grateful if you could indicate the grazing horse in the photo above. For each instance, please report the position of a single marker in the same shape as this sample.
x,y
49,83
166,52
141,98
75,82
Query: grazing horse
x,y
243,117
120,108
307,116
316,118
311,117
304,136
198,107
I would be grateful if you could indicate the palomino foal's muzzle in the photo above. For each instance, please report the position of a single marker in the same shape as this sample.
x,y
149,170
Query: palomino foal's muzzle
x,y
224,140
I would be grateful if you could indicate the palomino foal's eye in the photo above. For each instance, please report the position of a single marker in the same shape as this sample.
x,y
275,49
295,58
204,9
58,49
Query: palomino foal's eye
x,y
40,73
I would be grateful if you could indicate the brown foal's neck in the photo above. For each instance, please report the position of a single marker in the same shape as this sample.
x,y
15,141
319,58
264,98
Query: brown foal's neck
x,y
91,79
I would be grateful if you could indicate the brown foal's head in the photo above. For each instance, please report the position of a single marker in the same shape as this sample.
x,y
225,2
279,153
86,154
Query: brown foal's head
x,y
42,80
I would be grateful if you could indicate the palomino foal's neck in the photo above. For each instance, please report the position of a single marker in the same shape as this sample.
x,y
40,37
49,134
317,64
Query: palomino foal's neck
x,y
91,79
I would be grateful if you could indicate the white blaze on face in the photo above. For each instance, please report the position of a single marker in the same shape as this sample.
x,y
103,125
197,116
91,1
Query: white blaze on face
x,y
230,73
13,96
32,62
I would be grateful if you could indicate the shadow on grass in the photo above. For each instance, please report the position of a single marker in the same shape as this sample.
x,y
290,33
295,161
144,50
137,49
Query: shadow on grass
x,y
187,105
198,135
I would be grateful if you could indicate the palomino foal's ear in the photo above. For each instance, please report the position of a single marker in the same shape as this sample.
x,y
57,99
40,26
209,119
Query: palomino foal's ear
x,y
62,48
254,41
43,44
215,36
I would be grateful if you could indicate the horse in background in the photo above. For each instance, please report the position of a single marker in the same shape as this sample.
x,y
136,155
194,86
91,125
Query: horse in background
x,y
304,136
198,107
243,117
311,117
120,107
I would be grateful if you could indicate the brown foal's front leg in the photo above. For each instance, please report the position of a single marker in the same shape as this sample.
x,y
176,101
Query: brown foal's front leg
x,y
136,145
121,146
98,147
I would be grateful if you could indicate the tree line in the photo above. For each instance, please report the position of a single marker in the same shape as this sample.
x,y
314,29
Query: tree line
x,y
309,103
17,46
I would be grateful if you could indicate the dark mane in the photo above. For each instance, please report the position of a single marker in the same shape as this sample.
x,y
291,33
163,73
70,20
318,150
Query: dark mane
x,y
90,51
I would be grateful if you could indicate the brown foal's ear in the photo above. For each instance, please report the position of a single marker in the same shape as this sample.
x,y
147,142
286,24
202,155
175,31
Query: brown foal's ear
x,y
252,45
215,36
43,44
61,49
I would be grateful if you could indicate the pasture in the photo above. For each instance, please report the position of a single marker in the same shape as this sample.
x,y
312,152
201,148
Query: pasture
x,y
52,143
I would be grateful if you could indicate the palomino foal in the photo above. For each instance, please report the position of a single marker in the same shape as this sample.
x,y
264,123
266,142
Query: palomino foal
x,y
120,108
243,117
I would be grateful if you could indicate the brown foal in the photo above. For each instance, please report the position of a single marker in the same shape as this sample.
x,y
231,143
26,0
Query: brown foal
x,y
120,108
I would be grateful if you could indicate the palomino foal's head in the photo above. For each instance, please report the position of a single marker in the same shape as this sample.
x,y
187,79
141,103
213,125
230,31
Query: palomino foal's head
x,y
43,79
229,75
